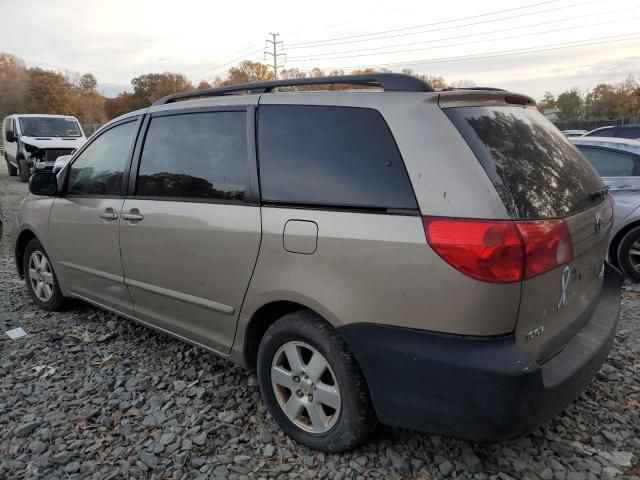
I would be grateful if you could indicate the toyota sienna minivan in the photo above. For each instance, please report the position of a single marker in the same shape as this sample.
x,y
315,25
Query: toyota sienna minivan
x,y
428,260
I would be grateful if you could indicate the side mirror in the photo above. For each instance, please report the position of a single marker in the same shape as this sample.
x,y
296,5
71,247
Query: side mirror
x,y
61,162
10,136
43,183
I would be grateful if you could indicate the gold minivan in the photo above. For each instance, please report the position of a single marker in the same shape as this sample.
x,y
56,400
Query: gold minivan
x,y
428,259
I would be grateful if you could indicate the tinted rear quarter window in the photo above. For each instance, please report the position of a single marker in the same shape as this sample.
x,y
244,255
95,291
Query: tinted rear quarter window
x,y
330,156
537,172
631,133
195,155
610,163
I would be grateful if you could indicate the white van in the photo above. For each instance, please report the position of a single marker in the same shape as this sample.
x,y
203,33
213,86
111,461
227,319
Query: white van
x,y
34,142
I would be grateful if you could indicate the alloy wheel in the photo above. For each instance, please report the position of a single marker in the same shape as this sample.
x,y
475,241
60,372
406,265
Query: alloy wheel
x,y
40,276
634,255
305,387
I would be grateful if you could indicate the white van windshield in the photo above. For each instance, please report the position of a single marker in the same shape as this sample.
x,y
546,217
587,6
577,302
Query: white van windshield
x,y
49,127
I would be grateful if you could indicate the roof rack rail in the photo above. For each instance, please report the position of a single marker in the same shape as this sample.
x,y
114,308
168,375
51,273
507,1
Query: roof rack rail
x,y
392,82
491,89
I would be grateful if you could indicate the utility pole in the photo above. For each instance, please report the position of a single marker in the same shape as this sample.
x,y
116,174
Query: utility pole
x,y
275,44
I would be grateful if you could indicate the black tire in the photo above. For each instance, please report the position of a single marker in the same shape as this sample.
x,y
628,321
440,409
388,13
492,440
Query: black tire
x,y
356,418
624,254
23,169
57,301
13,171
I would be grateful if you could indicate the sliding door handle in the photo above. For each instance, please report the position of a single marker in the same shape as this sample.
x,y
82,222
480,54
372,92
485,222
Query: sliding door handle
x,y
132,217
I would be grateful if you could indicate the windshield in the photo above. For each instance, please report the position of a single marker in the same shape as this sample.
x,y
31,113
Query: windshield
x,y
49,127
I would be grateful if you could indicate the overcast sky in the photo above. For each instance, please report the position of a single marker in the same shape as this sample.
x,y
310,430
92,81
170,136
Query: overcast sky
x,y
481,41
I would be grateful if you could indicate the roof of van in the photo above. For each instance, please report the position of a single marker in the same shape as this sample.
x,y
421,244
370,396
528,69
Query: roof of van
x,y
39,115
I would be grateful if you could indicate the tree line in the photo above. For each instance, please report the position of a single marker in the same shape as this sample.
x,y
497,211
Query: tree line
x,y
603,102
37,90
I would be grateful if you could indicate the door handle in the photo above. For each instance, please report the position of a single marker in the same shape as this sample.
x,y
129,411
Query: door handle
x,y
133,216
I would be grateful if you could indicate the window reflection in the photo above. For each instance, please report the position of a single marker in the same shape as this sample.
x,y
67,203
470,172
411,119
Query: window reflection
x,y
536,170
195,155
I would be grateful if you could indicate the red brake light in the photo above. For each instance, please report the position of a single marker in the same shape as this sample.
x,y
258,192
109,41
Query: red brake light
x,y
500,251
547,245
486,250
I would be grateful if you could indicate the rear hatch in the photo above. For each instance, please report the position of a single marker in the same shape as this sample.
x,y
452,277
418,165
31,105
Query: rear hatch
x,y
541,177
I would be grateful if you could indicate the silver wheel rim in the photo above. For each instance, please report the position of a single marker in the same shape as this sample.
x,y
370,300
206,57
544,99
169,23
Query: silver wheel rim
x,y
634,255
305,387
40,276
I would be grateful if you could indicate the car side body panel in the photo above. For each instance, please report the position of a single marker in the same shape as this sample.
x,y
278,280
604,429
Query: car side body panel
x,y
375,269
187,266
33,216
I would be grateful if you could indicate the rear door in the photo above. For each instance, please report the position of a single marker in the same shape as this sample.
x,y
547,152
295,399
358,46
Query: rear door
x,y
190,230
540,175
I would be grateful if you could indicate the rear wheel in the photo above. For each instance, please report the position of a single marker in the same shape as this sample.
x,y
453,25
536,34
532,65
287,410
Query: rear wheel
x,y
41,280
13,171
629,254
23,168
312,385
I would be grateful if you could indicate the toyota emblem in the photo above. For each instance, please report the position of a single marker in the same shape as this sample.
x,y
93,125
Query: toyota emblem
x,y
599,222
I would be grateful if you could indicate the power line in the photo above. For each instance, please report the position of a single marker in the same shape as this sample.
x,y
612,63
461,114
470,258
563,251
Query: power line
x,y
360,54
248,47
431,24
243,49
453,37
274,54
217,67
493,20
503,53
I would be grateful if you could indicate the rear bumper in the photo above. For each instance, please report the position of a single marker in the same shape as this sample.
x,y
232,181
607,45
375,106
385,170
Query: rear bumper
x,y
481,389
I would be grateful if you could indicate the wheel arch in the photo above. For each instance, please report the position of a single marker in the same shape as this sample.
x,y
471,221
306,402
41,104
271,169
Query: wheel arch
x,y
260,321
23,239
615,241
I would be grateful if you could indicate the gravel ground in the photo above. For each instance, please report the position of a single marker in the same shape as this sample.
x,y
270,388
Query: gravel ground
x,y
88,394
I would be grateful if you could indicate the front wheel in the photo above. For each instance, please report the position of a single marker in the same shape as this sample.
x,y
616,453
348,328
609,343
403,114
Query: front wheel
x,y
629,254
23,168
41,280
312,384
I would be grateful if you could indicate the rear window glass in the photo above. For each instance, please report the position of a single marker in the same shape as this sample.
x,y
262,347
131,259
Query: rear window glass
x,y
334,156
535,169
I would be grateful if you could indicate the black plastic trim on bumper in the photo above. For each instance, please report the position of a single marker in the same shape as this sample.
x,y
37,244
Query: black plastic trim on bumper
x,y
480,389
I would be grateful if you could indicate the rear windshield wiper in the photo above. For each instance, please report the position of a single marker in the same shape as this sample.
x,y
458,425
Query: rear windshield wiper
x,y
602,192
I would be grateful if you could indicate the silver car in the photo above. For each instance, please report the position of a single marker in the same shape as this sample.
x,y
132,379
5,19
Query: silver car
x,y
617,160
429,260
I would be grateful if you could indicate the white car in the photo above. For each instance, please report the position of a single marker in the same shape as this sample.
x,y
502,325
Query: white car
x,y
574,133
33,142
617,160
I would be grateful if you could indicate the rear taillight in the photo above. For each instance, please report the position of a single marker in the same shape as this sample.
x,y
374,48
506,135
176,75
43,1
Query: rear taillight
x,y
500,251
547,245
